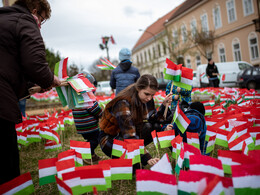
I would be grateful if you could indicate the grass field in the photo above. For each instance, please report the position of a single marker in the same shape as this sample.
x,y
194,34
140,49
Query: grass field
x,y
29,156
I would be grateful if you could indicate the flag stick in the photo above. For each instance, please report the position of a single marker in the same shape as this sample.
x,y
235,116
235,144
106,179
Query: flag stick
x,y
167,104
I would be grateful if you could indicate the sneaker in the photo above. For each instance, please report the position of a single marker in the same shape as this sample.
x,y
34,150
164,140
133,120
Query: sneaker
x,y
95,159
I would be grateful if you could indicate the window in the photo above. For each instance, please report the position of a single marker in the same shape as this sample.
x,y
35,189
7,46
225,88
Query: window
x,y
204,23
184,33
222,55
149,55
137,58
193,27
175,38
237,53
145,57
255,72
254,51
217,17
188,63
141,57
198,61
243,66
159,50
154,53
164,48
248,72
248,7
231,12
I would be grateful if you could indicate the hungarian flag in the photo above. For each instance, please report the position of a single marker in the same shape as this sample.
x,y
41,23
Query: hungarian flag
x,y
163,165
63,187
66,155
82,147
191,182
165,138
72,180
186,79
176,146
180,160
214,187
121,169
211,144
193,139
221,138
208,110
206,164
238,142
50,135
140,143
47,170
33,136
246,178
80,83
104,67
155,142
245,148
229,158
65,166
21,185
78,159
208,103
152,182
108,63
118,148
92,177
181,119
188,151
51,145
172,71
133,152
253,131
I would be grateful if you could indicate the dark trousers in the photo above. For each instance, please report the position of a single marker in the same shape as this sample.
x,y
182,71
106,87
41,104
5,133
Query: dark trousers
x,y
92,138
9,166
214,83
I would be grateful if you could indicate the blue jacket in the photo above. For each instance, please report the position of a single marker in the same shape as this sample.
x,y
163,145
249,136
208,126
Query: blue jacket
x,y
123,75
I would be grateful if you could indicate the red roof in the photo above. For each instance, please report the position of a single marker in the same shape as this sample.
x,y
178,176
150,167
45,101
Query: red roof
x,y
155,28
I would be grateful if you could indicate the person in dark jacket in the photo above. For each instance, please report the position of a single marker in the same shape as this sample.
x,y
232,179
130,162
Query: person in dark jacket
x,y
132,115
124,74
22,54
212,73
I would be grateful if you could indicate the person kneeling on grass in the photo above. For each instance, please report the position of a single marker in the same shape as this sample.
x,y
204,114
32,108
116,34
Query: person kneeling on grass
x,y
86,122
132,115
195,113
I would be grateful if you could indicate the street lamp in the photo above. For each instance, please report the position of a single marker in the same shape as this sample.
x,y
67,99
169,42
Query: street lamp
x,y
103,45
154,37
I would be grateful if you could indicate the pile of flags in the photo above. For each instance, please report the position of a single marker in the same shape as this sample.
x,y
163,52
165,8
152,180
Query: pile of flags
x,y
106,65
79,91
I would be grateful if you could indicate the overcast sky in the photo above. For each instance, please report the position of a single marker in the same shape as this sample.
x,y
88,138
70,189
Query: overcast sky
x,y
76,26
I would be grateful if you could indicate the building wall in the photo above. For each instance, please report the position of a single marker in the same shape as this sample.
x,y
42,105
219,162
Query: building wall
x,y
8,2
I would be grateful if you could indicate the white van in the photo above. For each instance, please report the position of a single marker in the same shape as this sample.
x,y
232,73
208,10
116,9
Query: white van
x,y
227,70
103,88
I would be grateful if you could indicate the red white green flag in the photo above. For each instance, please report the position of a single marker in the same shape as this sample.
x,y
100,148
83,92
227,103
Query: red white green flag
x,y
165,138
118,148
172,71
155,141
72,180
62,187
180,160
121,169
80,84
21,185
60,69
214,187
176,146
50,135
238,142
193,139
65,166
151,182
140,143
51,145
133,152
257,142
181,119
211,144
206,164
188,151
82,147
245,148
47,170
186,79
246,178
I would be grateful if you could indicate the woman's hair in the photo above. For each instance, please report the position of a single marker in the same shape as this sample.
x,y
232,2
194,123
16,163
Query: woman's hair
x,y
131,92
40,5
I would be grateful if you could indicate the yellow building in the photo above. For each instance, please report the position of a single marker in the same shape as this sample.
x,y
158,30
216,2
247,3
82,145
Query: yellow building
x,y
198,29
8,2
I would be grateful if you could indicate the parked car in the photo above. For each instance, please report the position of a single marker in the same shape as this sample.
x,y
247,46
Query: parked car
x,y
103,88
162,83
249,78
228,70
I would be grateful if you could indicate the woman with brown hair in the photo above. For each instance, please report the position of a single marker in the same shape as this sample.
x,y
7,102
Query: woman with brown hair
x,y
132,115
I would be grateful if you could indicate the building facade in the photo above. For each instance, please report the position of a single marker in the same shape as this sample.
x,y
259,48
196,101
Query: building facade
x,y
8,2
198,29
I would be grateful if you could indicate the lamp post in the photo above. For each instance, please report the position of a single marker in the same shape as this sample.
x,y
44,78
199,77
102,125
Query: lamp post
x,y
103,45
154,37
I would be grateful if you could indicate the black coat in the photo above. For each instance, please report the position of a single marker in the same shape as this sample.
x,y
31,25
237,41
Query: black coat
x,y
22,59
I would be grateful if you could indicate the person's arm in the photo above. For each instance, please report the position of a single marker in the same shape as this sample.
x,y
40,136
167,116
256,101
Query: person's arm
x,y
95,110
112,81
32,53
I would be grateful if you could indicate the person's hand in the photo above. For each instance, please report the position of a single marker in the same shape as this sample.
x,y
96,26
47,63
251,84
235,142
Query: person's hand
x,y
176,97
168,127
153,161
168,99
56,81
178,89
